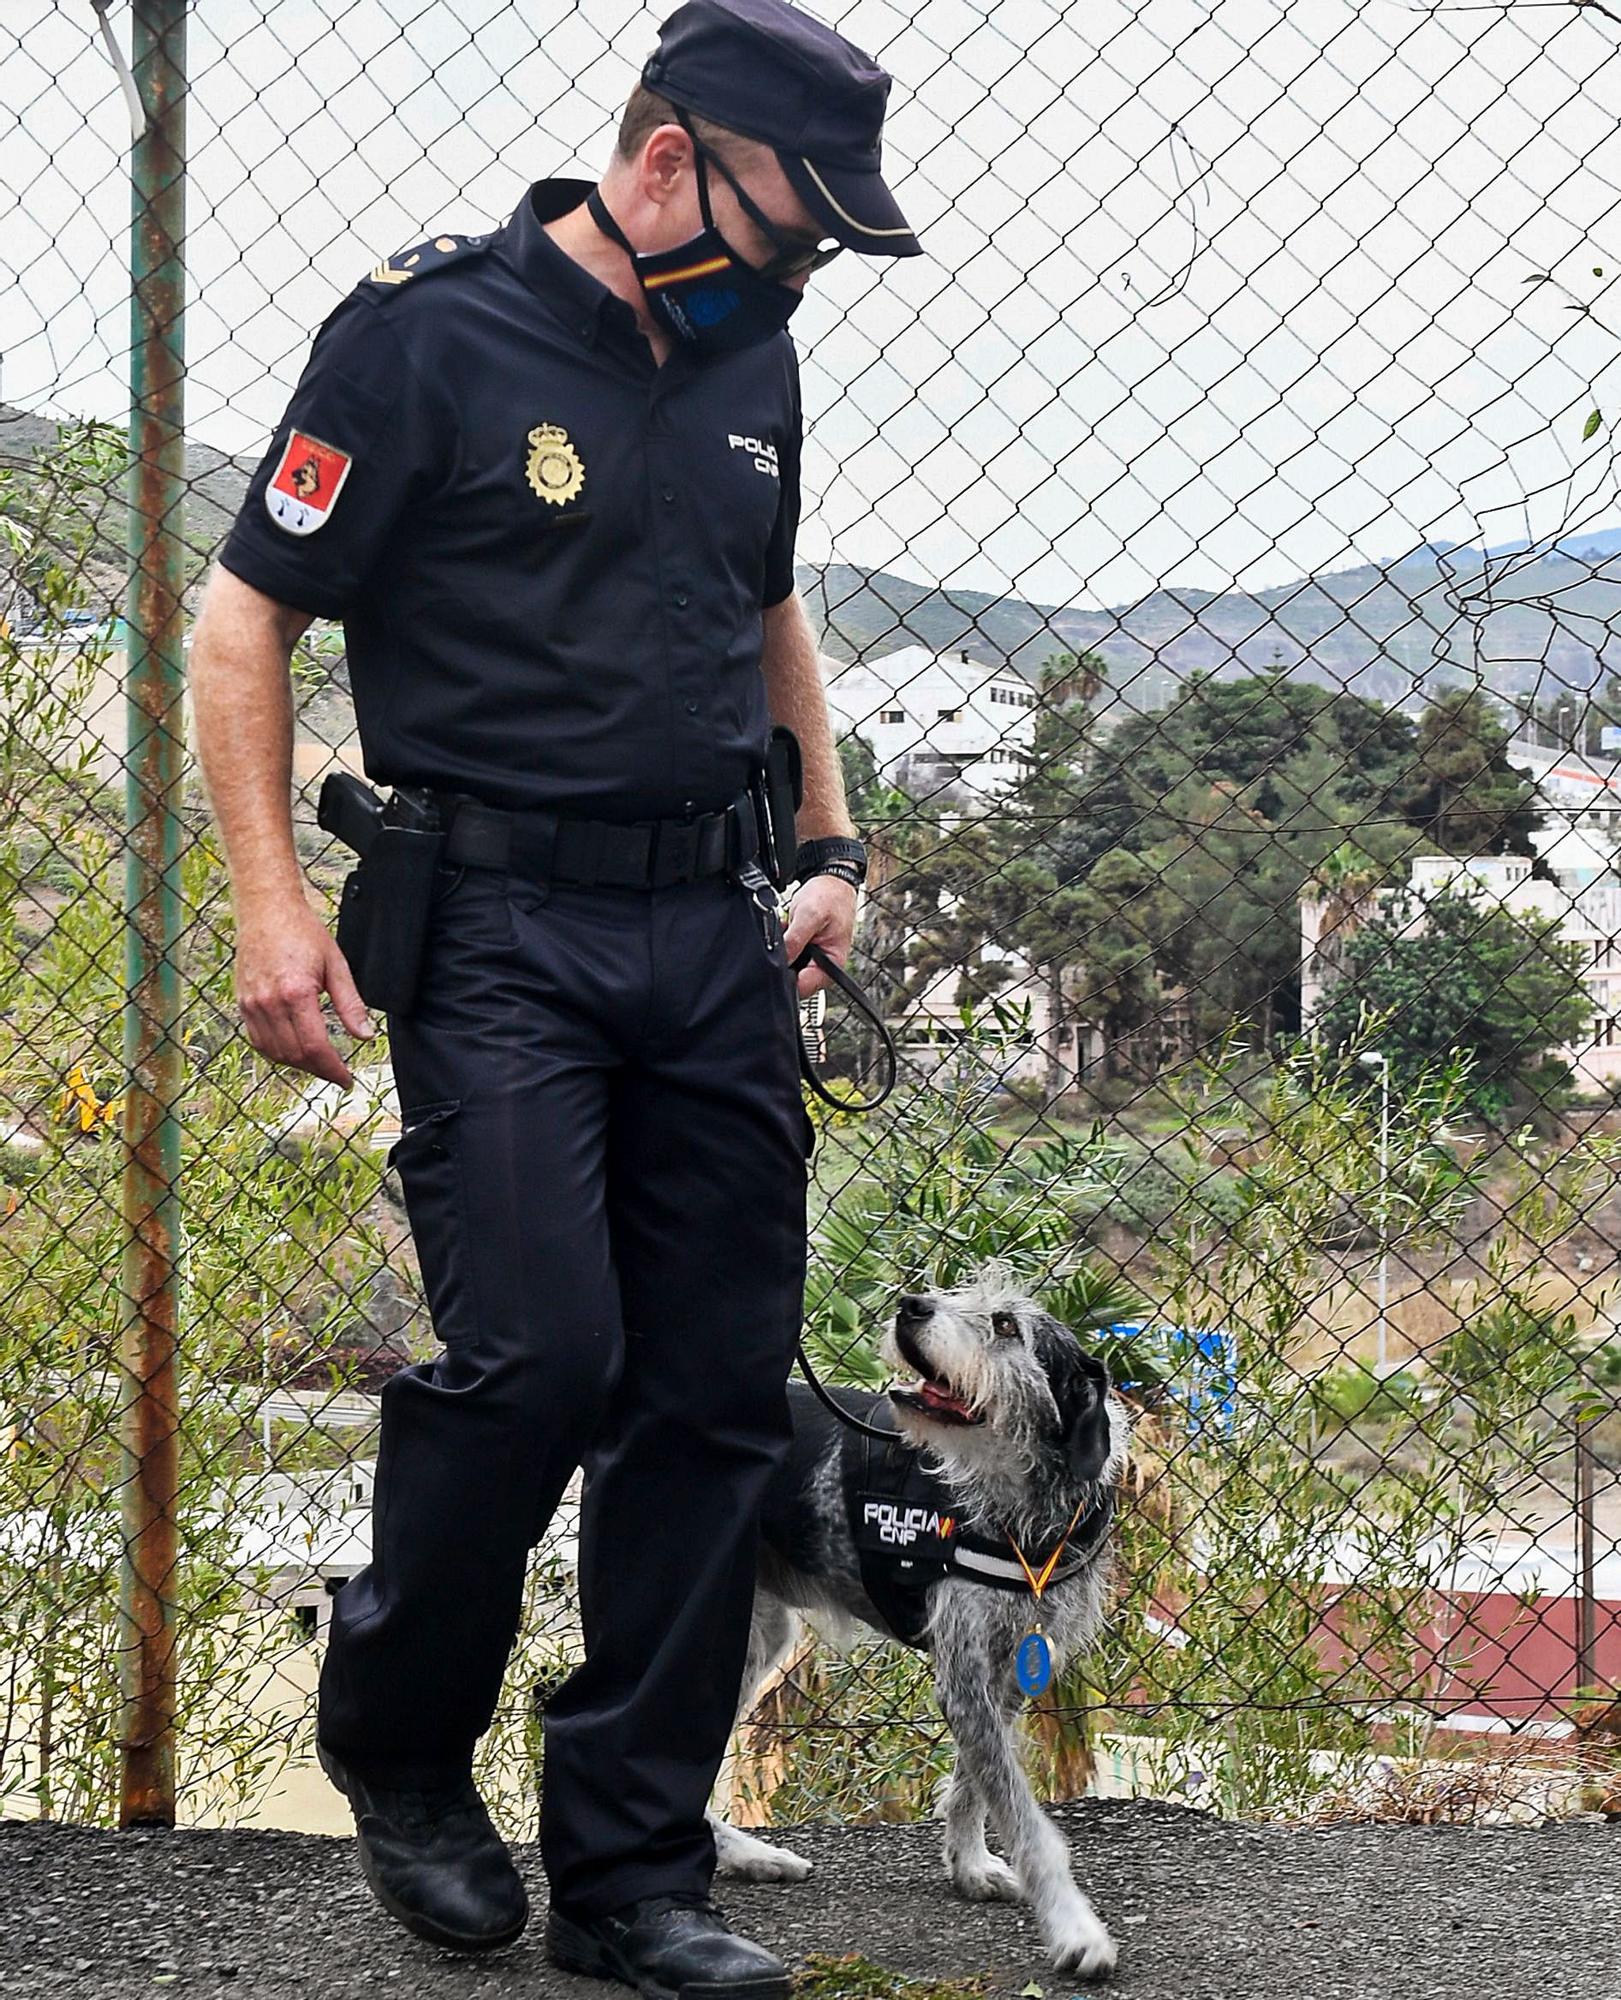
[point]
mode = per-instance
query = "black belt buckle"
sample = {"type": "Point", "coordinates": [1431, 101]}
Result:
{"type": "Point", "coordinates": [675, 851]}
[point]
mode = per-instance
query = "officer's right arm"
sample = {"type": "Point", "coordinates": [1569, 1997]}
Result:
{"type": "Point", "coordinates": [360, 440]}
{"type": "Point", "coordinates": [286, 957]}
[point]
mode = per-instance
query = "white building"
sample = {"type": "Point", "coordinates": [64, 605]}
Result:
{"type": "Point", "coordinates": [935, 720]}
{"type": "Point", "coordinates": [1587, 910]}
{"type": "Point", "coordinates": [1580, 799]}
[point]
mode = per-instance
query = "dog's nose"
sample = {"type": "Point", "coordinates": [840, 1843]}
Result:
{"type": "Point", "coordinates": [914, 1306]}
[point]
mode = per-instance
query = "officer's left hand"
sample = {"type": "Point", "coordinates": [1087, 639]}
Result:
{"type": "Point", "coordinates": [823, 912]}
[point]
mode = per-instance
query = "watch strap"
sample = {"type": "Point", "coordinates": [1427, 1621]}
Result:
{"type": "Point", "coordinates": [814, 855]}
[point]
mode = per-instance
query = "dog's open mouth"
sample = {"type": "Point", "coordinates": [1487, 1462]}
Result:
{"type": "Point", "coordinates": [931, 1393]}
{"type": "Point", "coordinates": [934, 1399]}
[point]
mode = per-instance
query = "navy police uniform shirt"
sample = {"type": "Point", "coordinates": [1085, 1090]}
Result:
{"type": "Point", "coordinates": [549, 553]}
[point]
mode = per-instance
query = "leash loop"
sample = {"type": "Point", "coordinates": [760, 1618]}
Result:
{"type": "Point", "coordinates": [807, 1068]}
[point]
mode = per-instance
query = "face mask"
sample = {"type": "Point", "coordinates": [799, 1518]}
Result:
{"type": "Point", "coordinates": [701, 292]}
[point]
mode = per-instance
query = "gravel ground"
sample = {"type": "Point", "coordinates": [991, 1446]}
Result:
{"type": "Point", "coordinates": [1204, 1910]}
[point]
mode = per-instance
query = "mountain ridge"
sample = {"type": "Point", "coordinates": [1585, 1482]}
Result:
{"type": "Point", "coordinates": [1521, 615]}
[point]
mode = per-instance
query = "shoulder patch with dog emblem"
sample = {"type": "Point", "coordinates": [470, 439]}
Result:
{"type": "Point", "coordinates": [305, 486]}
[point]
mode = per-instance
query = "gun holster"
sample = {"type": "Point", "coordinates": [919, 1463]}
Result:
{"type": "Point", "coordinates": [386, 901]}
{"type": "Point", "coordinates": [776, 789]}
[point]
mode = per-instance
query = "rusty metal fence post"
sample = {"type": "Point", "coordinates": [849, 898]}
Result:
{"type": "Point", "coordinates": [1586, 1582]}
{"type": "Point", "coordinates": [149, 1412]}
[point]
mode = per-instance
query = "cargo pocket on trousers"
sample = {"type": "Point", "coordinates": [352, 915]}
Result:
{"type": "Point", "coordinates": [427, 1158]}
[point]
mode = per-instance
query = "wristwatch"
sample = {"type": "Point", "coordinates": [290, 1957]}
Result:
{"type": "Point", "coordinates": [833, 854]}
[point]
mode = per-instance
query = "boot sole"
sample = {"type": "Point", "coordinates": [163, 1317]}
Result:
{"type": "Point", "coordinates": [577, 1950]}
{"type": "Point", "coordinates": [413, 1920]}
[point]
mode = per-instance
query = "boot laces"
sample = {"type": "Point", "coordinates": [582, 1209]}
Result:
{"type": "Point", "coordinates": [420, 1809]}
{"type": "Point", "coordinates": [693, 1899]}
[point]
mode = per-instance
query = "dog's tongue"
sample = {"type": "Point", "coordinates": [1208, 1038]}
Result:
{"type": "Point", "coordinates": [942, 1399]}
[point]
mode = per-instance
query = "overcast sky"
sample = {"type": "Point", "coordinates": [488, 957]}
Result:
{"type": "Point", "coordinates": [1217, 293]}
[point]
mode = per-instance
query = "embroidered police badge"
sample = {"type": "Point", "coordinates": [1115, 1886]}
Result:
{"type": "Point", "coordinates": [306, 484]}
{"type": "Point", "coordinates": [554, 469]}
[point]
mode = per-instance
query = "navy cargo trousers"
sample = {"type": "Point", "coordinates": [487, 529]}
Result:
{"type": "Point", "coordinates": [603, 1157]}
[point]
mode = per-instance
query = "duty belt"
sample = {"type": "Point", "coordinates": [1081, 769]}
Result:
{"type": "Point", "coordinates": [646, 854]}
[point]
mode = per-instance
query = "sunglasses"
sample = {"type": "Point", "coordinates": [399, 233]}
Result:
{"type": "Point", "coordinates": [793, 254]}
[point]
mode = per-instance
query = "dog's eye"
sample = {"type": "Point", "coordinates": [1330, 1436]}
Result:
{"type": "Point", "coordinates": [1005, 1324]}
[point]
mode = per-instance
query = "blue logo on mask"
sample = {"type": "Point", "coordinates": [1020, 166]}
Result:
{"type": "Point", "coordinates": [708, 308]}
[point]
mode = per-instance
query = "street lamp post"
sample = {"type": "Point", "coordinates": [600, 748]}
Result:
{"type": "Point", "coordinates": [1370, 1057]}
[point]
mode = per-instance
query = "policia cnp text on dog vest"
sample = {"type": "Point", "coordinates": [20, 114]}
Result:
{"type": "Point", "coordinates": [908, 1532]}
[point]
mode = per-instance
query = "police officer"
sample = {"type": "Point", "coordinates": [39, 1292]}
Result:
{"type": "Point", "coordinates": [548, 477]}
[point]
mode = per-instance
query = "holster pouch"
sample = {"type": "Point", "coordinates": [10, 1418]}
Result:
{"type": "Point", "coordinates": [777, 791]}
{"type": "Point", "coordinates": [386, 901]}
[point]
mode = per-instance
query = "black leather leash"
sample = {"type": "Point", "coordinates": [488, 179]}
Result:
{"type": "Point", "coordinates": [840, 977]}
{"type": "Point", "coordinates": [844, 1416]}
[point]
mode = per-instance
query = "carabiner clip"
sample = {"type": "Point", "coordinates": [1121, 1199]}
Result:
{"type": "Point", "coordinates": [765, 899]}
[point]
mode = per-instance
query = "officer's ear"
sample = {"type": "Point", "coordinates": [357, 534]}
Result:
{"type": "Point", "coordinates": [666, 160]}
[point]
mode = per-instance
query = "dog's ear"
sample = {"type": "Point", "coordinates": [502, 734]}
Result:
{"type": "Point", "coordinates": [1080, 1384]}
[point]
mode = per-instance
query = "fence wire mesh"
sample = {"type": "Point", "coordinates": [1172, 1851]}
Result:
{"type": "Point", "coordinates": [1215, 552]}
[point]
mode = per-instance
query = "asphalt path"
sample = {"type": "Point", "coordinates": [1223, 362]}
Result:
{"type": "Point", "coordinates": [1203, 1909]}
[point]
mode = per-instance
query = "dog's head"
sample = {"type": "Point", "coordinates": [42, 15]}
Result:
{"type": "Point", "coordinates": [999, 1385]}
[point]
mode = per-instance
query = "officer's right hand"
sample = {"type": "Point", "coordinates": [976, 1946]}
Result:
{"type": "Point", "coordinates": [286, 958]}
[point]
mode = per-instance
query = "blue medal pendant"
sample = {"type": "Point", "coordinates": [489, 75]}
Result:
{"type": "Point", "coordinates": [1033, 1663]}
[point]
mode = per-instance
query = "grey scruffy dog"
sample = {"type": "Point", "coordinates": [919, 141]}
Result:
{"type": "Point", "coordinates": [1016, 1424]}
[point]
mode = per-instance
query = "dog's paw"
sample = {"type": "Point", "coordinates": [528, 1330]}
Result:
{"type": "Point", "coordinates": [749, 1860]}
{"type": "Point", "coordinates": [986, 1880]}
{"type": "Point", "coordinates": [1078, 1943]}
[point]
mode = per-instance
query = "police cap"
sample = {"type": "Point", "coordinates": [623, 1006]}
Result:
{"type": "Point", "coordinates": [773, 72]}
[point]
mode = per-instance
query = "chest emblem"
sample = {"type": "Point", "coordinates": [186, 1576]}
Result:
{"type": "Point", "coordinates": [760, 450]}
{"type": "Point", "coordinates": [554, 469]}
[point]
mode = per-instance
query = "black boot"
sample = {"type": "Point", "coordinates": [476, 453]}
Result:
{"type": "Point", "coordinates": [667, 1946]}
{"type": "Point", "coordinates": [433, 1859]}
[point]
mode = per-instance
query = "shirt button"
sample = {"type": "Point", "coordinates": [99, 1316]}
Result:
{"type": "Point", "coordinates": [681, 600]}
{"type": "Point", "coordinates": [692, 709]}
{"type": "Point", "coordinates": [669, 495]}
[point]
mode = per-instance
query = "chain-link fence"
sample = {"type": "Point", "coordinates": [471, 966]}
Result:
{"type": "Point", "coordinates": [1215, 549]}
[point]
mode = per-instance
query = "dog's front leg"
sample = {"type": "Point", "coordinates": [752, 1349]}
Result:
{"type": "Point", "coordinates": [974, 1870]}
{"type": "Point", "coordinates": [980, 1702]}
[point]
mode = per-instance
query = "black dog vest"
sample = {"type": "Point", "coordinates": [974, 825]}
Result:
{"type": "Point", "coordinates": [908, 1534]}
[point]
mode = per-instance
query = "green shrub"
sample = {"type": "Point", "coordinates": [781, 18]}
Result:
{"type": "Point", "coordinates": [1353, 1391]}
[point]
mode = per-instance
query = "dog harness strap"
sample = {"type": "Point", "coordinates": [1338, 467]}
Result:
{"type": "Point", "coordinates": [907, 1536]}
{"type": "Point", "coordinates": [986, 1560]}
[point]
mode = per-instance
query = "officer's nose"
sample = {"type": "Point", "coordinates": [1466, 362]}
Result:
{"type": "Point", "coordinates": [915, 1306]}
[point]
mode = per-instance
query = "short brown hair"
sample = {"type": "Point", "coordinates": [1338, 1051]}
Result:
{"type": "Point", "coordinates": [645, 111]}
